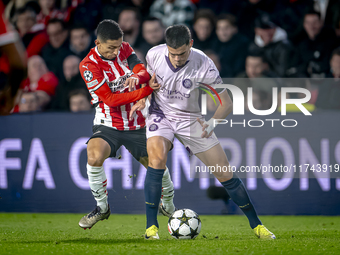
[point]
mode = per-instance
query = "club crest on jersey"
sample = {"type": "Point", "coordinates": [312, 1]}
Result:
{"type": "Point", "coordinates": [125, 62]}
{"type": "Point", "coordinates": [153, 127]}
{"type": "Point", "coordinates": [88, 75]}
{"type": "Point", "coordinates": [187, 83]}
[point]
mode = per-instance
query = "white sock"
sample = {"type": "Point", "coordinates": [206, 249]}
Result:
{"type": "Point", "coordinates": [168, 192]}
{"type": "Point", "coordinates": [98, 183]}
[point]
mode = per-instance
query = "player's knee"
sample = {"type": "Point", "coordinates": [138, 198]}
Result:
{"type": "Point", "coordinates": [157, 163]}
{"type": "Point", "coordinates": [94, 158]}
{"type": "Point", "coordinates": [224, 176]}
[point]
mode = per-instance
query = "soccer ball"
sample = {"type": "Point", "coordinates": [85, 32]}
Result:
{"type": "Point", "coordinates": [184, 224]}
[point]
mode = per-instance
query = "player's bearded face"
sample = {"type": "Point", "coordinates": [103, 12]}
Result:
{"type": "Point", "coordinates": [178, 57]}
{"type": "Point", "coordinates": [110, 48]}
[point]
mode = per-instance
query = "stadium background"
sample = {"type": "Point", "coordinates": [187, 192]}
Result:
{"type": "Point", "coordinates": [42, 146]}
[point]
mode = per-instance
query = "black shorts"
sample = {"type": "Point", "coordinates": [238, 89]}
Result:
{"type": "Point", "coordinates": [133, 140]}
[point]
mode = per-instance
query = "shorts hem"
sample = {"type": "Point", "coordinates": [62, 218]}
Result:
{"type": "Point", "coordinates": [172, 142]}
{"type": "Point", "coordinates": [207, 148]}
{"type": "Point", "coordinates": [112, 146]}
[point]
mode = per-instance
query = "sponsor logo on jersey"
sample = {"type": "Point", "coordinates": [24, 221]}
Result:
{"type": "Point", "coordinates": [118, 84]}
{"type": "Point", "coordinates": [92, 83]}
{"type": "Point", "coordinates": [85, 67]}
{"type": "Point", "coordinates": [153, 127]}
{"type": "Point", "coordinates": [175, 92]}
{"type": "Point", "coordinates": [88, 75]}
{"type": "Point", "coordinates": [187, 83]}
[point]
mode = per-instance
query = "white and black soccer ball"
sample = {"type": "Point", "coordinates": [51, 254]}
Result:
{"type": "Point", "coordinates": [184, 224]}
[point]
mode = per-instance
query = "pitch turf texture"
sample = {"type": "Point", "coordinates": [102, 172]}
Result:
{"type": "Point", "coordinates": [123, 234]}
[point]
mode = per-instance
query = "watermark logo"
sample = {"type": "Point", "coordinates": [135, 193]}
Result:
{"type": "Point", "coordinates": [239, 104]}
{"type": "Point", "coordinates": [203, 86]}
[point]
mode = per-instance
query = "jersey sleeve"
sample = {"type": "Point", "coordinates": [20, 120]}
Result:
{"type": "Point", "coordinates": [93, 77]}
{"type": "Point", "coordinates": [127, 49]}
{"type": "Point", "coordinates": [96, 83]}
{"type": "Point", "coordinates": [149, 63]}
{"type": "Point", "coordinates": [133, 60]}
{"type": "Point", "coordinates": [114, 99]}
{"type": "Point", "coordinates": [211, 75]}
{"type": "Point", "coordinates": [141, 73]}
{"type": "Point", "coordinates": [135, 65]}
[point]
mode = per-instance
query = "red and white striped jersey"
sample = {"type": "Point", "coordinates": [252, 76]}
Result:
{"type": "Point", "coordinates": [105, 81]}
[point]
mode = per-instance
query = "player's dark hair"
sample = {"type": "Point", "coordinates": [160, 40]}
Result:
{"type": "Point", "coordinates": [109, 29]}
{"type": "Point", "coordinates": [177, 35]}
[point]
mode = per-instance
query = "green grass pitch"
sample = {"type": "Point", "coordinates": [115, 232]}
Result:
{"type": "Point", "coordinates": [123, 234]}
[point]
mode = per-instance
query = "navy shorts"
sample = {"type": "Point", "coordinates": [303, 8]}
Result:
{"type": "Point", "coordinates": [133, 140]}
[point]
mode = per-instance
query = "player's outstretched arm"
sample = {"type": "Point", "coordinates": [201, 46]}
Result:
{"type": "Point", "coordinates": [222, 112]}
{"type": "Point", "coordinates": [225, 108]}
{"type": "Point", "coordinates": [111, 99]}
{"type": "Point", "coordinates": [96, 83]}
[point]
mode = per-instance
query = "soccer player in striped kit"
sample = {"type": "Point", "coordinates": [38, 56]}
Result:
{"type": "Point", "coordinates": [114, 77]}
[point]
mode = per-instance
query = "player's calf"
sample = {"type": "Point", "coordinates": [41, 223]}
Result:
{"type": "Point", "coordinates": [98, 184]}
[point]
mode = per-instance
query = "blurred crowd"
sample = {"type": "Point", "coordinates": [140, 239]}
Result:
{"type": "Point", "coordinates": [246, 39]}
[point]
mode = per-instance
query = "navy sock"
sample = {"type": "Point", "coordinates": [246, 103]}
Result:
{"type": "Point", "coordinates": [239, 195]}
{"type": "Point", "coordinates": [152, 192]}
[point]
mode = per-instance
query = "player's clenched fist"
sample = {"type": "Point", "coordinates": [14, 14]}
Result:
{"type": "Point", "coordinates": [153, 82]}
